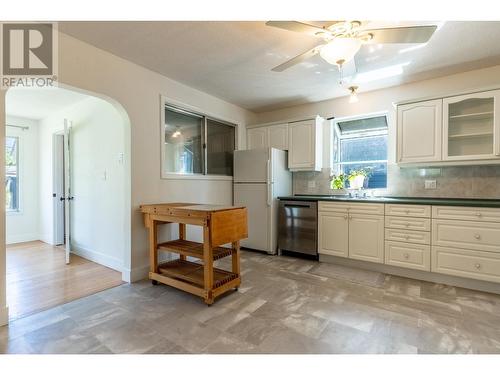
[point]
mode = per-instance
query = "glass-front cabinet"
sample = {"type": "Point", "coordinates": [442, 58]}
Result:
{"type": "Point", "coordinates": [471, 126]}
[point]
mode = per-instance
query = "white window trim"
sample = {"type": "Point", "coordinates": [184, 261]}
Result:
{"type": "Point", "coordinates": [336, 164]}
{"type": "Point", "coordinates": [164, 100]}
{"type": "Point", "coordinates": [18, 133]}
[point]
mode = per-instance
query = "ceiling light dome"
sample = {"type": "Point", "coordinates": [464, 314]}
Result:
{"type": "Point", "coordinates": [340, 50]}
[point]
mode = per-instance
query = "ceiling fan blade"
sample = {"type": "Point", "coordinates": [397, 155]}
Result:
{"type": "Point", "coordinates": [298, 27]}
{"type": "Point", "coordinates": [412, 34]}
{"type": "Point", "coordinates": [297, 59]}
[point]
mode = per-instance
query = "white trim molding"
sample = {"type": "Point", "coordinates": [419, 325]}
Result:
{"type": "Point", "coordinates": [94, 256]}
{"type": "Point", "coordinates": [135, 274]}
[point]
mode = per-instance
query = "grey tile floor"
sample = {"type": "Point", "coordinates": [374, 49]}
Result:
{"type": "Point", "coordinates": [285, 305]}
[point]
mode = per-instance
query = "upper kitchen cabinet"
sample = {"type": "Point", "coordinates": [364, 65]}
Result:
{"type": "Point", "coordinates": [275, 136]}
{"type": "Point", "coordinates": [305, 145]}
{"type": "Point", "coordinates": [419, 132]}
{"type": "Point", "coordinates": [257, 138]}
{"type": "Point", "coordinates": [471, 126]}
{"type": "Point", "coordinates": [278, 136]}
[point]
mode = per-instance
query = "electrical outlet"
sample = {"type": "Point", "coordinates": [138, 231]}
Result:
{"type": "Point", "coordinates": [430, 184]}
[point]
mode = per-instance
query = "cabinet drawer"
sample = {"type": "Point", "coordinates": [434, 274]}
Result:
{"type": "Point", "coordinates": [466, 235]}
{"type": "Point", "coordinates": [353, 208]}
{"type": "Point", "coordinates": [401, 235]}
{"type": "Point", "coordinates": [466, 263]}
{"type": "Point", "coordinates": [413, 210]}
{"type": "Point", "coordinates": [466, 213]}
{"type": "Point", "coordinates": [412, 223]}
{"type": "Point", "coordinates": [408, 255]}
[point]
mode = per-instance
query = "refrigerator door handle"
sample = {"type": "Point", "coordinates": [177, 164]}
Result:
{"type": "Point", "coordinates": [269, 183]}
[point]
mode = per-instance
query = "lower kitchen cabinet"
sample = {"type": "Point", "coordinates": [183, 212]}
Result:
{"type": "Point", "coordinates": [366, 238]}
{"type": "Point", "coordinates": [408, 255]}
{"type": "Point", "coordinates": [480, 265]}
{"type": "Point", "coordinates": [355, 236]}
{"type": "Point", "coordinates": [333, 232]}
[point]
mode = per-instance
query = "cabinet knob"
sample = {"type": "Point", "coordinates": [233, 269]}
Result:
{"type": "Point", "coordinates": [407, 237]}
{"type": "Point", "coordinates": [406, 255]}
{"type": "Point", "coordinates": [479, 214]}
{"type": "Point", "coordinates": [477, 265]}
{"type": "Point", "coordinates": [350, 217]}
{"type": "Point", "coordinates": [477, 236]}
{"type": "Point", "coordinates": [345, 217]}
{"type": "Point", "coordinates": [407, 211]}
{"type": "Point", "coordinates": [407, 225]}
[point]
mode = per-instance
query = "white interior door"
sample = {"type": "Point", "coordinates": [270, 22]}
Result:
{"type": "Point", "coordinates": [67, 189]}
{"type": "Point", "coordinates": [58, 188]}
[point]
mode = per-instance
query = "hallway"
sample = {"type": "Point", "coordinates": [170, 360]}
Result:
{"type": "Point", "coordinates": [38, 278]}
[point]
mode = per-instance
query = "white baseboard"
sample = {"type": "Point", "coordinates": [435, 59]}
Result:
{"type": "Point", "coordinates": [135, 274]}
{"type": "Point", "coordinates": [4, 315]}
{"type": "Point", "coordinates": [18, 238]}
{"type": "Point", "coordinates": [94, 256]}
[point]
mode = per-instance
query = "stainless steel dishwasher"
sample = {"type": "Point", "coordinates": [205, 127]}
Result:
{"type": "Point", "coordinates": [298, 227]}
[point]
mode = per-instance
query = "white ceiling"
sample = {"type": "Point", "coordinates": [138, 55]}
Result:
{"type": "Point", "coordinates": [38, 103]}
{"type": "Point", "coordinates": [233, 60]}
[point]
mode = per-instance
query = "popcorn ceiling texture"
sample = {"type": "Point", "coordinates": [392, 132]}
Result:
{"type": "Point", "coordinates": [452, 182]}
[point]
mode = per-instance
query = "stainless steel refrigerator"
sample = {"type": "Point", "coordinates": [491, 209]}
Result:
{"type": "Point", "coordinates": [260, 176]}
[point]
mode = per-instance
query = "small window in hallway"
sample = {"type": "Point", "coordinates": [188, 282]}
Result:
{"type": "Point", "coordinates": [195, 144]}
{"type": "Point", "coordinates": [12, 173]}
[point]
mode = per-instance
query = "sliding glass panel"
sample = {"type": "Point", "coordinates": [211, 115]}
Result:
{"type": "Point", "coordinates": [12, 173]}
{"type": "Point", "coordinates": [183, 142]}
{"type": "Point", "coordinates": [220, 148]}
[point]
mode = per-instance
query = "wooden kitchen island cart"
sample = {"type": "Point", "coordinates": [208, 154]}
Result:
{"type": "Point", "coordinates": [221, 225]}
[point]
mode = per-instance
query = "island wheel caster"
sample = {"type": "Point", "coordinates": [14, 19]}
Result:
{"type": "Point", "coordinates": [154, 282]}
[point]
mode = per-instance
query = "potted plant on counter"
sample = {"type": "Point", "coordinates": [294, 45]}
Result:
{"type": "Point", "coordinates": [357, 178]}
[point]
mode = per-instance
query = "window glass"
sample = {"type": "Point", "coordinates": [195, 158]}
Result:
{"type": "Point", "coordinates": [220, 148]}
{"type": "Point", "coordinates": [12, 173]}
{"type": "Point", "coordinates": [363, 145]}
{"type": "Point", "coordinates": [183, 142]}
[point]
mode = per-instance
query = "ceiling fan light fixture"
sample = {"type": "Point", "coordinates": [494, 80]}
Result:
{"type": "Point", "coordinates": [353, 97]}
{"type": "Point", "coordinates": [340, 49]}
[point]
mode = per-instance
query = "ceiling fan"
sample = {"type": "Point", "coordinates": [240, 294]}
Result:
{"type": "Point", "coordinates": [341, 40]}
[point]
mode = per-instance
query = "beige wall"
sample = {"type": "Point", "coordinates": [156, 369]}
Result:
{"type": "Point", "coordinates": [138, 91]}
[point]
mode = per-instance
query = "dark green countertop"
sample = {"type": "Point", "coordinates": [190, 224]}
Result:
{"type": "Point", "coordinates": [401, 200]}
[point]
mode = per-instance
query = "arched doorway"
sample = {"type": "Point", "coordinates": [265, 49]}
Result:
{"type": "Point", "coordinates": [100, 181]}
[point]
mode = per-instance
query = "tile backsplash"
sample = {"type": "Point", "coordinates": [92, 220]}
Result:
{"type": "Point", "coordinates": [452, 182]}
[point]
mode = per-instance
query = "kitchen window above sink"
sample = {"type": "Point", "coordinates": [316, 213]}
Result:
{"type": "Point", "coordinates": [361, 144]}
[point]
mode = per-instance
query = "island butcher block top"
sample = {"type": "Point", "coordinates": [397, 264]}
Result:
{"type": "Point", "coordinates": [221, 225]}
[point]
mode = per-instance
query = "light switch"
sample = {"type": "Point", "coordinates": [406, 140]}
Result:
{"type": "Point", "coordinates": [430, 184]}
